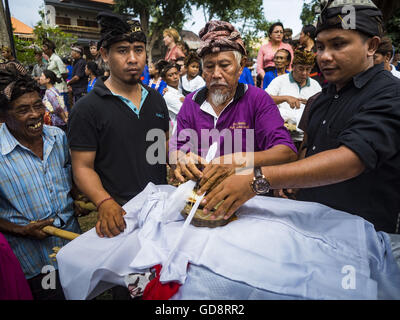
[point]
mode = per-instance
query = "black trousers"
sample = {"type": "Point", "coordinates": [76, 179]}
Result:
{"type": "Point", "coordinates": [39, 293]}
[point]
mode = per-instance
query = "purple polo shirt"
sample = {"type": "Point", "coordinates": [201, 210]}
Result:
{"type": "Point", "coordinates": [250, 123]}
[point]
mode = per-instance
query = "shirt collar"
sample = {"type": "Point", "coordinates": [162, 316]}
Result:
{"type": "Point", "coordinates": [200, 96]}
{"type": "Point", "coordinates": [8, 142]}
{"type": "Point", "coordinates": [308, 82]}
{"type": "Point", "coordinates": [361, 79]}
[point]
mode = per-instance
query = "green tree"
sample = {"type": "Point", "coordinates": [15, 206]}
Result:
{"type": "Point", "coordinates": [308, 15]}
{"type": "Point", "coordinates": [246, 15]}
{"type": "Point", "coordinates": [155, 16]}
{"type": "Point", "coordinates": [62, 40]}
{"type": "Point", "coordinates": [393, 29]}
{"type": "Point", "coordinates": [24, 50]}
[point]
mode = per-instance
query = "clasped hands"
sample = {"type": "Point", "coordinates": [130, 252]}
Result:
{"type": "Point", "coordinates": [224, 178]}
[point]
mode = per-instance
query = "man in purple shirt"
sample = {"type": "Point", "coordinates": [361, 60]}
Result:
{"type": "Point", "coordinates": [242, 119]}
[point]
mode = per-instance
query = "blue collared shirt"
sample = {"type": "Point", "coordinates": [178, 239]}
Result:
{"type": "Point", "coordinates": [33, 189]}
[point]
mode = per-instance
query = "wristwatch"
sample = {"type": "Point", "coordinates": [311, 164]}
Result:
{"type": "Point", "coordinates": [260, 184]}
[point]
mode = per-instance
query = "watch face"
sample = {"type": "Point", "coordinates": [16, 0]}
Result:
{"type": "Point", "coordinates": [261, 186]}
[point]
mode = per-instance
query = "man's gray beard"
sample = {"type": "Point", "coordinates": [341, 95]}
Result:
{"type": "Point", "coordinates": [217, 97]}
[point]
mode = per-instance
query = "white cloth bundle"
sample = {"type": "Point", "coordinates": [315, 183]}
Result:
{"type": "Point", "coordinates": [281, 248]}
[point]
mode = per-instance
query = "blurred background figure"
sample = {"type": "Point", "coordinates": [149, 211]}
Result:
{"type": "Point", "coordinates": [96, 57]}
{"type": "Point", "coordinates": [282, 60]}
{"type": "Point", "coordinates": [173, 95]}
{"type": "Point", "coordinates": [265, 58]}
{"type": "Point", "coordinates": [7, 55]}
{"type": "Point", "coordinates": [396, 61]}
{"type": "Point", "coordinates": [183, 46]}
{"type": "Point", "coordinates": [53, 100]}
{"type": "Point", "coordinates": [307, 42]}
{"type": "Point", "coordinates": [92, 72]}
{"type": "Point", "coordinates": [78, 83]}
{"type": "Point", "coordinates": [156, 81]}
{"type": "Point", "coordinates": [38, 68]}
{"type": "Point", "coordinates": [192, 80]}
{"type": "Point", "coordinates": [246, 77]}
{"type": "Point", "coordinates": [171, 38]}
{"type": "Point", "coordinates": [287, 35]}
{"type": "Point", "coordinates": [181, 64]}
{"type": "Point", "coordinates": [384, 55]}
{"type": "Point", "coordinates": [68, 64]}
{"type": "Point", "coordinates": [58, 67]}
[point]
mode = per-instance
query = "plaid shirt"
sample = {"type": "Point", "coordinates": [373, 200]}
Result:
{"type": "Point", "coordinates": [33, 189]}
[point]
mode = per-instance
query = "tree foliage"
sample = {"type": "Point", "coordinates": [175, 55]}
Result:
{"type": "Point", "coordinates": [247, 16]}
{"type": "Point", "coordinates": [156, 15]}
{"type": "Point", "coordinates": [308, 15]}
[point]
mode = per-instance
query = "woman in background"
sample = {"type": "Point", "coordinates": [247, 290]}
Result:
{"type": "Point", "coordinates": [171, 38]}
{"type": "Point", "coordinates": [53, 101]}
{"type": "Point", "coordinates": [266, 54]}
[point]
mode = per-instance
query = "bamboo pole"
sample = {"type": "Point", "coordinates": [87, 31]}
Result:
{"type": "Point", "coordinates": [60, 233]}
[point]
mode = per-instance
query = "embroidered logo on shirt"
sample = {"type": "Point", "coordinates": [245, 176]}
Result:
{"type": "Point", "coordinates": [160, 115]}
{"type": "Point", "coordinates": [239, 125]}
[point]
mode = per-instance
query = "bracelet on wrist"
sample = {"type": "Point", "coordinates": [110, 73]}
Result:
{"type": "Point", "coordinates": [102, 201]}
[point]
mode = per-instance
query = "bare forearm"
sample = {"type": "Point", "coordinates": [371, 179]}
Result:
{"type": "Point", "coordinates": [276, 155]}
{"type": "Point", "coordinates": [73, 80]}
{"type": "Point", "coordinates": [328, 167]}
{"type": "Point", "coordinates": [279, 99]}
{"type": "Point", "coordinates": [10, 228]}
{"type": "Point", "coordinates": [88, 182]}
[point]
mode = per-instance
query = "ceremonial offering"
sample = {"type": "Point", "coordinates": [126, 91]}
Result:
{"type": "Point", "coordinates": [290, 125]}
{"type": "Point", "coordinates": [201, 219]}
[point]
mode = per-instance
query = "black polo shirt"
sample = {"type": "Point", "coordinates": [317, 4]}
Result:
{"type": "Point", "coordinates": [103, 123]}
{"type": "Point", "coordinates": [78, 69]}
{"type": "Point", "coordinates": [365, 117]}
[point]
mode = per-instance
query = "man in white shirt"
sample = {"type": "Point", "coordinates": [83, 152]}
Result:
{"type": "Point", "coordinates": [173, 95]}
{"type": "Point", "coordinates": [291, 91]}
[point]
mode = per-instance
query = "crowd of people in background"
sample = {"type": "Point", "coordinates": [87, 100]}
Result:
{"type": "Point", "coordinates": [84, 92]}
{"type": "Point", "coordinates": [76, 74]}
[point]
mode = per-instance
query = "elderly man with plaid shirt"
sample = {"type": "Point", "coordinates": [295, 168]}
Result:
{"type": "Point", "coordinates": [35, 181]}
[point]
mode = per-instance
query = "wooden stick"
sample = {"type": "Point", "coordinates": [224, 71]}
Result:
{"type": "Point", "coordinates": [60, 233]}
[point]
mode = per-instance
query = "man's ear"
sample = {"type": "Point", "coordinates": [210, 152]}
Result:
{"type": "Point", "coordinates": [373, 44]}
{"type": "Point", "coordinates": [104, 53]}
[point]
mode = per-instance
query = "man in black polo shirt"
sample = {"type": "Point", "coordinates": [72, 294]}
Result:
{"type": "Point", "coordinates": [108, 127]}
{"type": "Point", "coordinates": [352, 153]}
{"type": "Point", "coordinates": [78, 82]}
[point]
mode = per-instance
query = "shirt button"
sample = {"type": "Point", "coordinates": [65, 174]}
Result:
{"type": "Point", "coordinates": [323, 122]}
{"type": "Point", "coordinates": [336, 96]}
{"type": "Point", "coordinates": [314, 147]}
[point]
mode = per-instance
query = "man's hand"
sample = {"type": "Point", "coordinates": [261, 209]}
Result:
{"type": "Point", "coordinates": [286, 193]}
{"type": "Point", "coordinates": [234, 190]}
{"type": "Point", "coordinates": [219, 169]}
{"type": "Point", "coordinates": [295, 102]}
{"type": "Point", "coordinates": [110, 222]}
{"type": "Point", "coordinates": [188, 165]}
{"type": "Point", "coordinates": [34, 230]}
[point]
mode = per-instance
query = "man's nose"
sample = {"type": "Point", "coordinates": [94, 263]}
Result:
{"type": "Point", "coordinates": [131, 56]}
{"type": "Point", "coordinates": [324, 55]}
{"type": "Point", "coordinates": [217, 72]}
